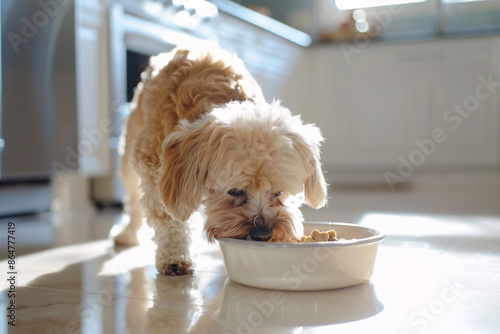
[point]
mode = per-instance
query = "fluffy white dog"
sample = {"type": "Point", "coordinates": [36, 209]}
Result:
{"type": "Point", "coordinates": [201, 132]}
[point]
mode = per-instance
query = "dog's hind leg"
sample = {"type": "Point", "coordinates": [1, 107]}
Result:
{"type": "Point", "coordinates": [127, 235]}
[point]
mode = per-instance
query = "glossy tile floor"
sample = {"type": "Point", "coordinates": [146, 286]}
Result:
{"type": "Point", "coordinates": [438, 271]}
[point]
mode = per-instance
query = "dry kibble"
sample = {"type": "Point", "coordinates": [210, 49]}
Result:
{"type": "Point", "coordinates": [317, 236]}
{"type": "Point", "coordinates": [309, 239]}
{"type": "Point", "coordinates": [322, 236]}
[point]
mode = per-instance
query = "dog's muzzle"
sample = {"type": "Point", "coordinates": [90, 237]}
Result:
{"type": "Point", "coordinates": [260, 231]}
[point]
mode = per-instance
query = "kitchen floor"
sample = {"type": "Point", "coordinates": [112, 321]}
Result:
{"type": "Point", "coordinates": [437, 271]}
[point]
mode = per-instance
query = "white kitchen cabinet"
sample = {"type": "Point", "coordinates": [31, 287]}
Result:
{"type": "Point", "coordinates": [389, 102]}
{"type": "Point", "coordinates": [470, 122]}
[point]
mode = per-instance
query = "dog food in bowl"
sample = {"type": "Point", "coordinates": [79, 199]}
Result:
{"type": "Point", "coordinates": [302, 266]}
{"type": "Point", "coordinates": [317, 236]}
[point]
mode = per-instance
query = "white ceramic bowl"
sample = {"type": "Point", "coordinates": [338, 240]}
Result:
{"type": "Point", "coordinates": [304, 266]}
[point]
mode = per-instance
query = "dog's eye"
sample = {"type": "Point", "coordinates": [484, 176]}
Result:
{"type": "Point", "coordinates": [236, 192]}
{"type": "Point", "coordinates": [278, 194]}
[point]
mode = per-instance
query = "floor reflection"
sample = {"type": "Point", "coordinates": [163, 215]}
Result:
{"type": "Point", "coordinates": [250, 310]}
{"type": "Point", "coordinates": [96, 288]}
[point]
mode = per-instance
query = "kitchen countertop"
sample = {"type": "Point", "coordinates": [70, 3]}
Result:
{"type": "Point", "coordinates": [434, 274]}
{"type": "Point", "coordinates": [273, 26]}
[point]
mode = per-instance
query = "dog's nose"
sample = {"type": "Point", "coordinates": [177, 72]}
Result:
{"type": "Point", "coordinates": [261, 233]}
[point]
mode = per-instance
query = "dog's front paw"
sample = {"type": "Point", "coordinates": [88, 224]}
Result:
{"type": "Point", "coordinates": [174, 268]}
{"type": "Point", "coordinates": [183, 268]}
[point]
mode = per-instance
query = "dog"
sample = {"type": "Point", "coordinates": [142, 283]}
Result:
{"type": "Point", "coordinates": [201, 133]}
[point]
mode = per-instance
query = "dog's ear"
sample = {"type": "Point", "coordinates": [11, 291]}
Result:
{"type": "Point", "coordinates": [307, 144]}
{"type": "Point", "coordinates": [184, 167]}
{"type": "Point", "coordinates": [315, 187]}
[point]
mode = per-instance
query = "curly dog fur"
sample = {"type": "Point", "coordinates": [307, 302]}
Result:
{"type": "Point", "coordinates": [200, 132]}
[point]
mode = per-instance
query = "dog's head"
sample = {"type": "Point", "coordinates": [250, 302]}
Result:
{"type": "Point", "coordinates": [251, 164]}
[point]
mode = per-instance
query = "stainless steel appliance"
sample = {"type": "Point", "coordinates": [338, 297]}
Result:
{"type": "Point", "coordinates": [38, 114]}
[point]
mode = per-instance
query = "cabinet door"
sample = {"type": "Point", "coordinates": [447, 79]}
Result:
{"type": "Point", "coordinates": [464, 106]}
{"type": "Point", "coordinates": [373, 114]}
{"type": "Point", "coordinates": [381, 118]}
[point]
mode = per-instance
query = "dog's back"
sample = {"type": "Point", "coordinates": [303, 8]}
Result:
{"type": "Point", "coordinates": [183, 83]}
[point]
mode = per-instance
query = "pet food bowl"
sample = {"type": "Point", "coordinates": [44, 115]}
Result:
{"type": "Point", "coordinates": [304, 266]}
